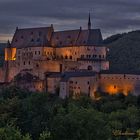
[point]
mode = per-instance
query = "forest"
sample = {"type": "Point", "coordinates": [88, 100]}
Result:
{"type": "Point", "coordinates": [26, 115]}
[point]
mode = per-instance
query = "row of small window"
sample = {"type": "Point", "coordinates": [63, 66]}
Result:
{"type": "Point", "coordinates": [49, 53]}
{"type": "Point", "coordinates": [39, 34]}
{"type": "Point", "coordinates": [71, 42]}
{"type": "Point", "coordinates": [32, 40]}
{"type": "Point", "coordinates": [71, 82]}
{"type": "Point", "coordinates": [28, 54]}
{"type": "Point", "coordinates": [31, 54]}
{"type": "Point", "coordinates": [25, 63]}
{"type": "Point", "coordinates": [64, 57]}
{"type": "Point", "coordinates": [121, 78]}
{"type": "Point", "coordinates": [92, 56]}
{"type": "Point", "coordinates": [67, 37]}
{"type": "Point", "coordinates": [27, 49]}
{"type": "Point", "coordinates": [71, 87]}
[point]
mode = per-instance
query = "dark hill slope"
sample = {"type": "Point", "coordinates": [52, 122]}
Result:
{"type": "Point", "coordinates": [124, 54]}
{"type": "Point", "coordinates": [2, 46]}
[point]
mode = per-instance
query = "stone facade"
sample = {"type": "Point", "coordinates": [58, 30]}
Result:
{"type": "Point", "coordinates": [67, 62]}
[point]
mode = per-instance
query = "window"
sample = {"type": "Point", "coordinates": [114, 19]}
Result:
{"type": "Point", "coordinates": [66, 57]}
{"type": "Point", "coordinates": [37, 65]}
{"type": "Point", "coordinates": [71, 82]}
{"type": "Point", "coordinates": [40, 33]}
{"type": "Point", "coordinates": [99, 56]}
{"type": "Point", "coordinates": [89, 68]}
{"type": "Point", "coordinates": [60, 42]}
{"type": "Point", "coordinates": [35, 52]}
{"type": "Point", "coordinates": [24, 63]}
{"type": "Point", "coordinates": [29, 62]}
{"type": "Point", "coordinates": [39, 52]}
{"type": "Point", "coordinates": [70, 57]}
{"type": "Point", "coordinates": [88, 82]}
{"type": "Point", "coordinates": [38, 40]}
{"type": "Point", "coordinates": [32, 40]}
{"type": "Point", "coordinates": [62, 56]}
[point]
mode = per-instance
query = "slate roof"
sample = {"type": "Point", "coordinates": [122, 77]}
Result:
{"type": "Point", "coordinates": [31, 37]}
{"type": "Point", "coordinates": [45, 36]}
{"type": "Point", "coordinates": [91, 59]}
{"type": "Point", "coordinates": [120, 72]}
{"type": "Point", "coordinates": [77, 38]}
{"type": "Point", "coordinates": [67, 75]}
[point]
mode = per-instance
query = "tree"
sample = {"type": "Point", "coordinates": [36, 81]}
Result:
{"type": "Point", "coordinates": [10, 133]}
{"type": "Point", "coordinates": [80, 124]}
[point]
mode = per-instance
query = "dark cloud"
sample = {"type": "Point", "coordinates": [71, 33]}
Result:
{"type": "Point", "coordinates": [112, 16]}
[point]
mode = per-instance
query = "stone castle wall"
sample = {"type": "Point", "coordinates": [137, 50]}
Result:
{"type": "Point", "coordinates": [120, 83]}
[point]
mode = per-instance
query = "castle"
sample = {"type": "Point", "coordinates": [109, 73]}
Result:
{"type": "Point", "coordinates": [69, 63]}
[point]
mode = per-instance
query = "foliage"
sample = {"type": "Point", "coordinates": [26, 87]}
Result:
{"type": "Point", "coordinates": [2, 46]}
{"type": "Point", "coordinates": [46, 117]}
{"type": "Point", "coordinates": [10, 133]}
{"type": "Point", "coordinates": [124, 52]}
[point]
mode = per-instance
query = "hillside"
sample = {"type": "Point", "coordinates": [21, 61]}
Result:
{"type": "Point", "coordinates": [2, 46]}
{"type": "Point", "coordinates": [124, 54]}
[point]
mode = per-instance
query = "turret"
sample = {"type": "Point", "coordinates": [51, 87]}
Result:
{"type": "Point", "coordinates": [89, 22]}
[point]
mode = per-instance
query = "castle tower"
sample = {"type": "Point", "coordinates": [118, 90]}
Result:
{"type": "Point", "coordinates": [89, 22]}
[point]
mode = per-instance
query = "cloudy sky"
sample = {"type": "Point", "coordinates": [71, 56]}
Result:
{"type": "Point", "coordinates": [112, 16]}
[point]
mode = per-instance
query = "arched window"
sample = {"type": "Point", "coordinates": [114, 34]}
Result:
{"type": "Point", "coordinates": [70, 57]}
{"type": "Point", "coordinates": [89, 68]}
{"type": "Point", "coordinates": [62, 56]}
{"type": "Point", "coordinates": [66, 57]}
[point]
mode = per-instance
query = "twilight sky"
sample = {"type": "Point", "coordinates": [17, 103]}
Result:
{"type": "Point", "coordinates": [111, 16]}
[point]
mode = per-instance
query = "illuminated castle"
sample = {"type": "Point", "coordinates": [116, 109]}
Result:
{"type": "Point", "coordinates": [68, 62]}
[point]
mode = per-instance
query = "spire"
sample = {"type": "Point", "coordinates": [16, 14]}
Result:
{"type": "Point", "coordinates": [89, 22]}
{"type": "Point", "coordinates": [8, 44]}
